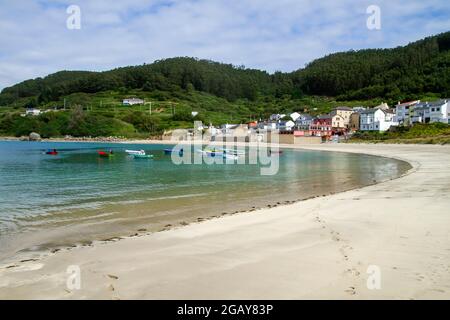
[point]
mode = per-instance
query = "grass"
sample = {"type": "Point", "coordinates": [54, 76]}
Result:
{"type": "Point", "coordinates": [433, 133]}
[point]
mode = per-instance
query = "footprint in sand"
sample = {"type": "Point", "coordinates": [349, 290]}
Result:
{"type": "Point", "coordinates": [353, 272]}
{"type": "Point", "coordinates": [438, 290]}
{"type": "Point", "coordinates": [351, 291]}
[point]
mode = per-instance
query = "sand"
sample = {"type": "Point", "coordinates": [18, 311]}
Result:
{"type": "Point", "coordinates": [320, 248]}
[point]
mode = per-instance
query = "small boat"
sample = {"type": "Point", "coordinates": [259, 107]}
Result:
{"type": "Point", "coordinates": [275, 152]}
{"type": "Point", "coordinates": [143, 156]}
{"type": "Point", "coordinates": [213, 153]}
{"type": "Point", "coordinates": [52, 152]}
{"type": "Point", "coordinates": [170, 151]}
{"type": "Point", "coordinates": [133, 152]}
{"type": "Point", "coordinates": [104, 154]}
{"type": "Point", "coordinates": [232, 151]}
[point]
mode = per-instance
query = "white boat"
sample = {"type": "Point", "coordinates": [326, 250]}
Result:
{"type": "Point", "coordinates": [133, 152]}
{"type": "Point", "coordinates": [232, 152]}
{"type": "Point", "coordinates": [217, 153]}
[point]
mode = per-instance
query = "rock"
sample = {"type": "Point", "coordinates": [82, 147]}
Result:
{"type": "Point", "coordinates": [34, 136]}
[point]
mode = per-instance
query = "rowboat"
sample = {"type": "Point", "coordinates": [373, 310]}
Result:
{"type": "Point", "coordinates": [232, 151]}
{"type": "Point", "coordinates": [213, 153]}
{"type": "Point", "coordinates": [52, 152]}
{"type": "Point", "coordinates": [275, 151]}
{"type": "Point", "coordinates": [133, 152]}
{"type": "Point", "coordinates": [143, 156]}
{"type": "Point", "coordinates": [104, 154]}
{"type": "Point", "coordinates": [170, 151]}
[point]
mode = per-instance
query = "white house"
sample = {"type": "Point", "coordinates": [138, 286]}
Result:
{"type": "Point", "coordinates": [421, 113]}
{"type": "Point", "coordinates": [267, 125]}
{"type": "Point", "coordinates": [32, 112]}
{"type": "Point", "coordinates": [304, 121]}
{"type": "Point", "coordinates": [404, 112]}
{"type": "Point", "coordinates": [440, 111]}
{"type": "Point", "coordinates": [286, 125]}
{"type": "Point", "coordinates": [429, 112]}
{"type": "Point", "coordinates": [376, 120]}
{"type": "Point", "coordinates": [132, 101]}
{"type": "Point", "coordinates": [276, 117]}
{"type": "Point", "coordinates": [295, 116]}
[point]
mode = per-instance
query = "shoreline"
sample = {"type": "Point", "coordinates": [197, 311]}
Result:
{"type": "Point", "coordinates": [28, 266]}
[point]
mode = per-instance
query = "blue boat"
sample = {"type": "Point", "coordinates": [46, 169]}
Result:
{"type": "Point", "coordinates": [170, 151]}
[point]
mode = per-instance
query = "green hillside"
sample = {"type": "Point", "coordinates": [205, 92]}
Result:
{"type": "Point", "coordinates": [409, 72]}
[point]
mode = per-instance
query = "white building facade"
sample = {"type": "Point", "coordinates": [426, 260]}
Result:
{"type": "Point", "coordinates": [438, 111]}
{"type": "Point", "coordinates": [132, 101]}
{"type": "Point", "coordinates": [404, 112]}
{"type": "Point", "coordinates": [376, 120]}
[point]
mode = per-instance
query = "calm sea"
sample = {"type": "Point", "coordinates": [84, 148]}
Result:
{"type": "Point", "coordinates": [48, 201]}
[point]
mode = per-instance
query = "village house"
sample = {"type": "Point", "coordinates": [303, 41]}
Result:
{"type": "Point", "coordinates": [286, 125]}
{"type": "Point", "coordinates": [338, 122]}
{"type": "Point", "coordinates": [377, 120]}
{"type": "Point", "coordinates": [322, 127]}
{"type": "Point", "coordinates": [358, 109]}
{"type": "Point", "coordinates": [405, 111]}
{"type": "Point", "coordinates": [294, 116]}
{"type": "Point", "coordinates": [32, 112]}
{"type": "Point", "coordinates": [354, 121]}
{"type": "Point", "coordinates": [440, 111]}
{"type": "Point", "coordinates": [421, 113]}
{"type": "Point", "coordinates": [430, 112]}
{"type": "Point", "coordinates": [304, 121]}
{"type": "Point", "coordinates": [132, 101]}
{"type": "Point", "coordinates": [341, 117]}
{"type": "Point", "coordinates": [276, 117]}
{"type": "Point", "coordinates": [266, 125]}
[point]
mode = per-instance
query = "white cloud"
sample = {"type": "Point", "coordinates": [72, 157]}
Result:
{"type": "Point", "coordinates": [271, 35]}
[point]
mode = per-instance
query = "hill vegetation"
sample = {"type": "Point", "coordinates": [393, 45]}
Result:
{"type": "Point", "coordinates": [434, 133]}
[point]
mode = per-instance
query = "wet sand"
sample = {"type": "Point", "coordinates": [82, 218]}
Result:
{"type": "Point", "coordinates": [318, 248]}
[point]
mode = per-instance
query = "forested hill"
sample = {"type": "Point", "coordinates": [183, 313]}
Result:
{"type": "Point", "coordinates": [222, 80]}
{"type": "Point", "coordinates": [395, 74]}
{"type": "Point", "coordinates": [416, 69]}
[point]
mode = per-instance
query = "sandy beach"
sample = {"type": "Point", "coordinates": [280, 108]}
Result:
{"type": "Point", "coordinates": [319, 248]}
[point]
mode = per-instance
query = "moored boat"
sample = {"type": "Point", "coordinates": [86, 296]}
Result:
{"type": "Point", "coordinates": [52, 152]}
{"type": "Point", "coordinates": [214, 153]}
{"type": "Point", "coordinates": [143, 156]}
{"type": "Point", "coordinates": [133, 152]}
{"type": "Point", "coordinates": [170, 151]}
{"type": "Point", "coordinates": [104, 154]}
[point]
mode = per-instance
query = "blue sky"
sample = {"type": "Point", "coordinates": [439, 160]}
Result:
{"type": "Point", "coordinates": [271, 35]}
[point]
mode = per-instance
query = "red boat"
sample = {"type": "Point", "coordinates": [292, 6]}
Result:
{"type": "Point", "coordinates": [105, 154]}
{"type": "Point", "coordinates": [52, 152]}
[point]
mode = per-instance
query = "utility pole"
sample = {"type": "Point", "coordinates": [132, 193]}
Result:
{"type": "Point", "coordinates": [64, 104]}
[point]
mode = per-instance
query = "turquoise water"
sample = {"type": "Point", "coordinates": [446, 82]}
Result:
{"type": "Point", "coordinates": [77, 190]}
